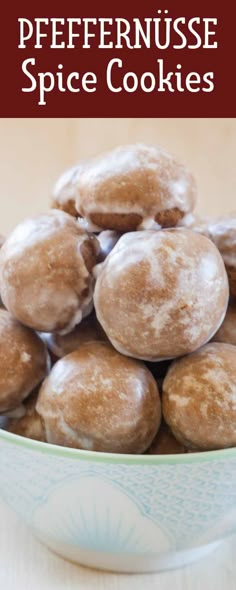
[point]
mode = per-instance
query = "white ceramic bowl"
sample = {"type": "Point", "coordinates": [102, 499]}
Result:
{"type": "Point", "coordinates": [123, 513]}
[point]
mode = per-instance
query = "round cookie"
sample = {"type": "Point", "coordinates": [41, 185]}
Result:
{"type": "Point", "coordinates": [99, 400]}
{"type": "Point", "coordinates": [227, 331]}
{"type": "Point", "coordinates": [135, 187]}
{"type": "Point", "coordinates": [161, 294]}
{"type": "Point", "coordinates": [65, 189]}
{"type": "Point", "coordinates": [165, 443]}
{"type": "Point", "coordinates": [223, 234]}
{"type": "Point", "coordinates": [46, 269]}
{"type": "Point", "coordinates": [89, 330]}
{"type": "Point", "coordinates": [30, 424]}
{"type": "Point", "coordinates": [199, 398]}
{"type": "Point", "coordinates": [23, 362]}
{"type": "Point", "coordinates": [65, 193]}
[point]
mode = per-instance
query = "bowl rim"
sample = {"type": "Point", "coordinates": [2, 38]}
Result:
{"type": "Point", "coordinates": [117, 458]}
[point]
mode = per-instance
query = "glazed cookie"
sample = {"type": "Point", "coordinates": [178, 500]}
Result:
{"type": "Point", "coordinates": [97, 399]}
{"type": "Point", "coordinates": [65, 194]}
{"type": "Point", "coordinates": [46, 269]}
{"type": "Point", "coordinates": [23, 362]}
{"type": "Point", "coordinates": [65, 190]}
{"type": "Point", "coordinates": [165, 443]}
{"type": "Point", "coordinates": [227, 331]}
{"type": "Point", "coordinates": [30, 424]}
{"type": "Point", "coordinates": [89, 330]}
{"type": "Point", "coordinates": [223, 234]}
{"type": "Point", "coordinates": [199, 398]}
{"type": "Point", "coordinates": [161, 294]}
{"type": "Point", "coordinates": [135, 186]}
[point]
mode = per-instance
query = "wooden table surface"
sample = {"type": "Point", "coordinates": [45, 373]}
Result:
{"type": "Point", "coordinates": [27, 565]}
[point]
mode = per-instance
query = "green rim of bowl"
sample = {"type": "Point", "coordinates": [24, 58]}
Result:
{"type": "Point", "coordinates": [98, 457]}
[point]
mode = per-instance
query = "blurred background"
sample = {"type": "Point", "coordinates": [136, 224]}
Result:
{"type": "Point", "coordinates": [34, 152]}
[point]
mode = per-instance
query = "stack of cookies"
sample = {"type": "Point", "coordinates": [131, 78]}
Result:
{"type": "Point", "coordinates": [118, 326]}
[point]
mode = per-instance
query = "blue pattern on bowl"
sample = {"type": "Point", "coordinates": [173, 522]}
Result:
{"type": "Point", "coordinates": [106, 506]}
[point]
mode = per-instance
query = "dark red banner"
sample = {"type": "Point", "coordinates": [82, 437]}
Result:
{"type": "Point", "coordinates": [102, 59]}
